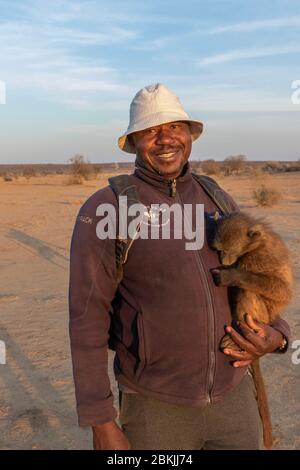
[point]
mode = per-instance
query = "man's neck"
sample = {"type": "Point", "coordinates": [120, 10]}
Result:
{"type": "Point", "coordinates": [141, 164]}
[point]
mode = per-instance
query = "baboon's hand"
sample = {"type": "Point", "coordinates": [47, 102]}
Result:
{"type": "Point", "coordinates": [224, 277]}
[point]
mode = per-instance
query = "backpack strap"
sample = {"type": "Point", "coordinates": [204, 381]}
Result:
{"type": "Point", "coordinates": [122, 185]}
{"type": "Point", "coordinates": [214, 192]}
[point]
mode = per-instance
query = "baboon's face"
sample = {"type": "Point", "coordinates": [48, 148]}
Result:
{"type": "Point", "coordinates": [234, 237]}
{"type": "Point", "coordinates": [227, 257]}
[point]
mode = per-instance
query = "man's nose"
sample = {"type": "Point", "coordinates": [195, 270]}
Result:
{"type": "Point", "coordinates": [164, 137]}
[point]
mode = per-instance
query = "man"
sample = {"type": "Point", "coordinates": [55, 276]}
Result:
{"type": "Point", "coordinates": [179, 391]}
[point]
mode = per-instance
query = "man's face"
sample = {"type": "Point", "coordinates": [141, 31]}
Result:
{"type": "Point", "coordinates": [165, 148]}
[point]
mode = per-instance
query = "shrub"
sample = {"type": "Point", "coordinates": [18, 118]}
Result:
{"type": "Point", "coordinates": [273, 167]}
{"type": "Point", "coordinates": [266, 196]}
{"type": "Point", "coordinates": [80, 168]}
{"type": "Point", "coordinates": [97, 169]}
{"type": "Point", "coordinates": [281, 167]}
{"type": "Point", "coordinates": [29, 172]}
{"type": "Point", "coordinates": [74, 179]}
{"type": "Point", "coordinates": [234, 164]}
{"type": "Point", "coordinates": [210, 167]}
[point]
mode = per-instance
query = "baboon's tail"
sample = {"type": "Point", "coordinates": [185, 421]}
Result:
{"type": "Point", "coordinates": [262, 402]}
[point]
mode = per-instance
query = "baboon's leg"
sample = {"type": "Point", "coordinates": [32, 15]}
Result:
{"type": "Point", "coordinates": [269, 286]}
{"type": "Point", "coordinates": [248, 302]}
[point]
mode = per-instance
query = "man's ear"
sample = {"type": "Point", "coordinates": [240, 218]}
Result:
{"type": "Point", "coordinates": [255, 232]}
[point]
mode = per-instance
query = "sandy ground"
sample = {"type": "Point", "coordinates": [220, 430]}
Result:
{"type": "Point", "coordinates": [37, 407]}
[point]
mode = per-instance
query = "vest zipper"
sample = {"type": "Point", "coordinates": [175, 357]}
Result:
{"type": "Point", "coordinates": [172, 184]}
{"type": "Point", "coordinates": [211, 317]}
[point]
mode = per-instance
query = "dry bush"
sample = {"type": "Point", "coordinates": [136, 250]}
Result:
{"type": "Point", "coordinates": [97, 169]}
{"type": "Point", "coordinates": [210, 167]}
{"type": "Point", "coordinates": [254, 171]}
{"type": "Point", "coordinates": [29, 172]}
{"type": "Point", "coordinates": [6, 176]}
{"type": "Point", "coordinates": [273, 167]}
{"type": "Point", "coordinates": [74, 179]}
{"type": "Point", "coordinates": [80, 168]}
{"type": "Point", "coordinates": [266, 196]}
{"type": "Point", "coordinates": [234, 164]}
{"type": "Point", "coordinates": [288, 167]}
{"type": "Point", "coordinates": [281, 167]}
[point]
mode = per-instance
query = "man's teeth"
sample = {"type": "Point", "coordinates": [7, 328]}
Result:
{"type": "Point", "coordinates": [166, 155]}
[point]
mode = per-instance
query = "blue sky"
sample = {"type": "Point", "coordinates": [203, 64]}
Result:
{"type": "Point", "coordinates": [71, 69]}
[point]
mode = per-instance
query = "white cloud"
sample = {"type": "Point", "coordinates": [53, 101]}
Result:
{"type": "Point", "coordinates": [77, 37]}
{"type": "Point", "coordinates": [225, 99]}
{"type": "Point", "coordinates": [249, 26]}
{"type": "Point", "coordinates": [41, 58]}
{"type": "Point", "coordinates": [241, 54]}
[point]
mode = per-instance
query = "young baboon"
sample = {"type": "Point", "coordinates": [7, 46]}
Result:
{"type": "Point", "coordinates": [259, 272]}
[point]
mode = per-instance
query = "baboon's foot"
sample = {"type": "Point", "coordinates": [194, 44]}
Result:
{"type": "Point", "coordinates": [228, 343]}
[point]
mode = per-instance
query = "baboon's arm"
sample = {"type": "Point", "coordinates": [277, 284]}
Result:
{"type": "Point", "coordinates": [270, 287]}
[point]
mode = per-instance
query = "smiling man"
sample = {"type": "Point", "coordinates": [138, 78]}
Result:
{"type": "Point", "coordinates": [163, 315]}
{"type": "Point", "coordinates": [164, 149]}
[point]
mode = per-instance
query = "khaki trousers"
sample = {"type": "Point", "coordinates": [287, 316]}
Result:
{"type": "Point", "coordinates": [230, 424]}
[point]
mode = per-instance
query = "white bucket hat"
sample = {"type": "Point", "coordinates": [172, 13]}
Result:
{"type": "Point", "coordinates": [152, 106]}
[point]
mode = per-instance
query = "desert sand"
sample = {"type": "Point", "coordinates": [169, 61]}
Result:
{"type": "Point", "coordinates": [37, 405]}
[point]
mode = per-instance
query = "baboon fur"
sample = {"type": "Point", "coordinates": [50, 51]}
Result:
{"type": "Point", "coordinates": [257, 268]}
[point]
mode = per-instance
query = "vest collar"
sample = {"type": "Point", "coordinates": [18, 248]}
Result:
{"type": "Point", "coordinates": [168, 187]}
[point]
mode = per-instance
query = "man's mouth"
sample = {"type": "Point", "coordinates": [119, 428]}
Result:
{"type": "Point", "coordinates": [166, 155]}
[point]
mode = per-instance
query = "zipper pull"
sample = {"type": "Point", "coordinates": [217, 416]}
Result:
{"type": "Point", "coordinates": [173, 187]}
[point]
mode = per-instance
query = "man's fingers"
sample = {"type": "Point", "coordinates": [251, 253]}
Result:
{"type": "Point", "coordinates": [240, 341]}
{"type": "Point", "coordinates": [254, 338]}
{"type": "Point", "coordinates": [242, 355]}
{"type": "Point", "coordinates": [242, 363]}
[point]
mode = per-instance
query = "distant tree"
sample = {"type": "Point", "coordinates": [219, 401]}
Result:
{"type": "Point", "coordinates": [210, 167]}
{"type": "Point", "coordinates": [29, 172]}
{"type": "Point", "coordinates": [81, 168]}
{"type": "Point", "coordinates": [273, 167]}
{"type": "Point", "coordinates": [234, 164]}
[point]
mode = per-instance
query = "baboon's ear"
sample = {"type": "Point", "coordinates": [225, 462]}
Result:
{"type": "Point", "coordinates": [254, 232]}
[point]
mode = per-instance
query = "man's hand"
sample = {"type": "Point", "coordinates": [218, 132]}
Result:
{"type": "Point", "coordinates": [109, 436]}
{"type": "Point", "coordinates": [258, 339]}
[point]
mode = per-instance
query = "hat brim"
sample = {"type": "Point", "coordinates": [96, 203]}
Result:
{"type": "Point", "coordinates": [124, 144]}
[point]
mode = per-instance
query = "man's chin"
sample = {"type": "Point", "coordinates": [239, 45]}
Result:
{"type": "Point", "coordinates": [171, 171]}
